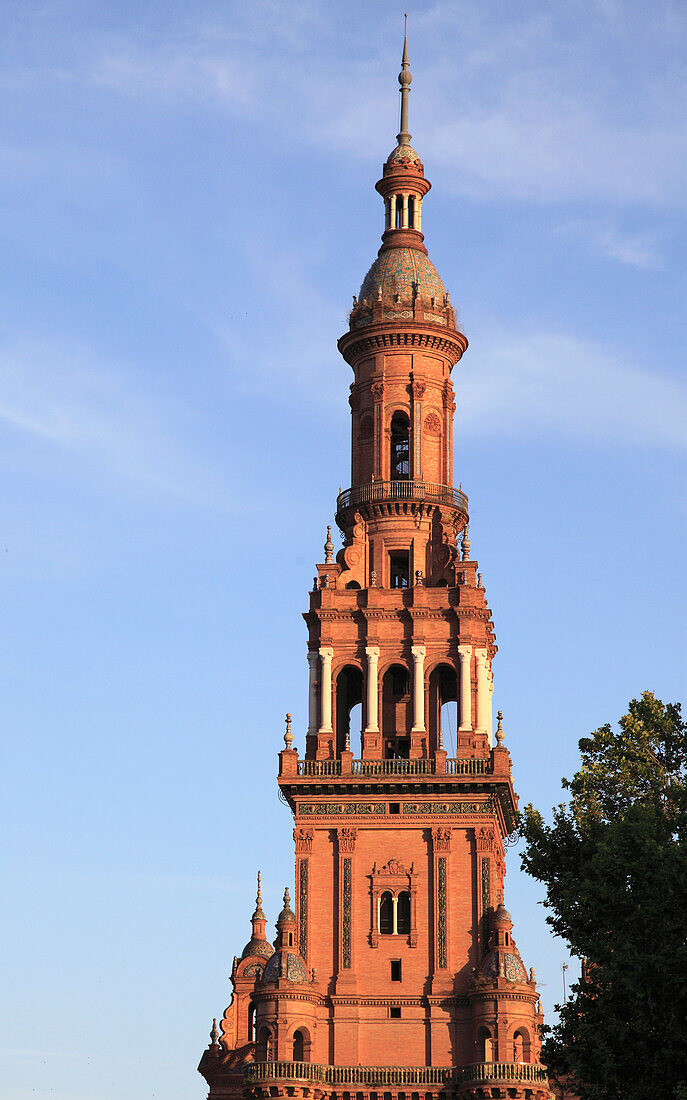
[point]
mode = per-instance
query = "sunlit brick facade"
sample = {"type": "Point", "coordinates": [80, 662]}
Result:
{"type": "Point", "coordinates": [394, 975]}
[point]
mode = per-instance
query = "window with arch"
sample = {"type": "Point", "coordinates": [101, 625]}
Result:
{"type": "Point", "coordinates": [386, 914]}
{"type": "Point", "coordinates": [485, 1045]}
{"type": "Point", "coordinates": [411, 211]}
{"type": "Point", "coordinates": [399, 212]}
{"type": "Point", "coordinates": [403, 913]}
{"type": "Point", "coordinates": [400, 447]}
{"type": "Point", "coordinates": [521, 1046]}
{"type": "Point", "coordinates": [298, 1046]}
{"type": "Point", "coordinates": [349, 698]}
{"type": "Point", "coordinates": [265, 1045]}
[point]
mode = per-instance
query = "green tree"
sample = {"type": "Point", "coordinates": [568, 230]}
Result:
{"type": "Point", "coordinates": [614, 865]}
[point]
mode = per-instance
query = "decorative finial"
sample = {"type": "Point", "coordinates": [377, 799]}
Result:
{"type": "Point", "coordinates": [329, 548]}
{"type": "Point", "coordinates": [499, 729]}
{"type": "Point", "coordinates": [418, 577]}
{"type": "Point", "coordinates": [479, 580]}
{"type": "Point", "coordinates": [404, 79]}
{"type": "Point", "coordinates": [373, 578]}
{"type": "Point", "coordinates": [532, 974]}
{"type": "Point", "coordinates": [258, 900]}
{"type": "Point", "coordinates": [466, 545]}
{"type": "Point", "coordinates": [288, 736]}
{"type": "Point", "coordinates": [214, 1045]}
{"type": "Point", "coordinates": [287, 898]}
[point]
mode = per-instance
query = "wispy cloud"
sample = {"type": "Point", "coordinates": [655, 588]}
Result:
{"type": "Point", "coordinates": [537, 385]}
{"type": "Point", "coordinates": [65, 401]}
{"type": "Point", "coordinates": [541, 107]}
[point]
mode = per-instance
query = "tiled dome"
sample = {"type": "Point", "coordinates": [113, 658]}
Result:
{"type": "Point", "coordinates": [258, 947]}
{"type": "Point", "coordinates": [514, 971]}
{"type": "Point", "coordinates": [395, 271]}
{"type": "Point", "coordinates": [285, 964]}
{"type": "Point", "coordinates": [401, 154]}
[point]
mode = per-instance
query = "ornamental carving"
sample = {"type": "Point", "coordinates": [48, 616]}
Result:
{"type": "Point", "coordinates": [347, 839]}
{"type": "Point", "coordinates": [432, 424]}
{"type": "Point", "coordinates": [448, 397]}
{"type": "Point", "coordinates": [419, 390]}
{"type": "Point", "coordinates": [393, 867]}
{"type": "Point", "coordinates": [441, 840]}
{"type": "Point", "coordinates": [303, 840]}
{"type": "Point", "coordinates": [485, 839]}
{"type": "Point", "coordinates": [377, 390]}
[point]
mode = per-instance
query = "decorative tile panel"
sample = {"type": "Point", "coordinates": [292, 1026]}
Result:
{"type": "Point", "coordinates": [346, 932]}
{"type": "Point", "coordinates": [441, 912]}
{"type": "Point", "coordinates": [303, 907]}
{"type": "Point", "coordinates": [337, 809]}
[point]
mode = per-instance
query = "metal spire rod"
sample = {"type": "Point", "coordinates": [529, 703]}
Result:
{"type": "Point", "coordinates": [404, 79]}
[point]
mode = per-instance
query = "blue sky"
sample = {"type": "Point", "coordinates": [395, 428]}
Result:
{"type": "Point", "coordinates": [187, 208]}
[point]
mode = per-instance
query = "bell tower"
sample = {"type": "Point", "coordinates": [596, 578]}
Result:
{"type": "Point", "coordinates": [395, 975]}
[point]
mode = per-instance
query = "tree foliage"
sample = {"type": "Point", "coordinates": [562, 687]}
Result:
{"type": "Point", "coordinates": [614, 864]}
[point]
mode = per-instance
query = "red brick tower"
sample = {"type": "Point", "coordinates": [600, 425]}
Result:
{"type": "Point", "coordinates": [397, 977]}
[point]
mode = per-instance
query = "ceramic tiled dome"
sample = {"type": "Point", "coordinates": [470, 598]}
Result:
{"type": "Point", "coordinates": [395, 271]}
{"type": "Point", "coordinates": [285, 964]}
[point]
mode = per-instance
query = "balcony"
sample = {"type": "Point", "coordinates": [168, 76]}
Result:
{"type": "Point", "coordinates": [472, 765]}
{"type": "Point", "coordinates": [378, 492]}
{"type": "Point", "coordinates": [379, 1077]}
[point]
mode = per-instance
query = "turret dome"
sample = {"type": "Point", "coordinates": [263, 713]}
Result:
{"type": "Point", "coordinates": [285, 964]}
{"type": "Point", "coordinates": [398, 271]}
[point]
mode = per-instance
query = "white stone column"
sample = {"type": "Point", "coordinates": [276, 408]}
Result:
{"type": "Point", "coordinates": [465, 656]}
{"type": "Point", "coordinates": [312, 690]}
{"type": "Point", "coordinates": [490, 710]}
{"type": "Point", "coordinates": [326, 654]}
{"type": "Point", "coordinates": [392, 211]}
{"type": "Point", "coordinates": [404, 215]}
{"type": "Point", "coordinates": [394, 909]}
{"type": "Point", "coordinates": [372, 653]}
{"type": "Point", "coordinates": [482, 690]}
{"type": "Point", "coordinates": [418, 216]}
{"type": "Point", "coordinates": [418, 652]}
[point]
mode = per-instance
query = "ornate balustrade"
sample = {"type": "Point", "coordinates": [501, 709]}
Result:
{"type": "Point", "coordinates": [375, 492]}
{"type": "Point", "coordinates": [472, 765]}
{"type": "Point", "coordinates": [380, 1076]}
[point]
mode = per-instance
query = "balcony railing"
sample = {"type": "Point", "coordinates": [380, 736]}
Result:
{"type": "Point", "coordinates": [378, 491]}
{"type": "Point", "coordinates": [381, 1076]}
{"type": "Point", "coordinates": [472, 765]}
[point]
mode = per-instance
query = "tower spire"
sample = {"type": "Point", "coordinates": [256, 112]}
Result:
{"type": "Point", "coordinates": [404, 79]}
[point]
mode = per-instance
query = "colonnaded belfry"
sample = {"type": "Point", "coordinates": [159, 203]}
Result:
{"type": "Point", "coordinates": [394, 974]}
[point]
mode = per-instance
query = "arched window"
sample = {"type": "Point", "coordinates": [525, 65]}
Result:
{"type": "Point", "coordinates": [485, 1045]}
{"type": "Point", "coordinates": [251, 1021]}
{"type": "Point", "coordinates": [349, 696]}
{"type": "Point", "coordinates": [443, 708]}
{"type": "Point", "coordinates": [521, 1046]}
{"type": "Point", "coordinates": [411, 211]}
{"type": "Point", "coordinates": [403, 914]}
{"type": "Point", "coordinates": [265, 1045]}
{"type": "Point", "coordinates": [400, 447]}
{"type": "Point", "coordinates": [386, 914]}
{"type": "Point", "coordinates": [298, 1046]}
{"type": "Point", "coordinates": [399, 211]}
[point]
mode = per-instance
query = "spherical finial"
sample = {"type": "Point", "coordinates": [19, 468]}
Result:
{"type": "Point", "coordinates": [288, 736]}
{"type": "Point", "coordinates": [287, 898]}
{"type": "Point", "coordinates": [214, 1045]}
{"type": "Point", "coordinates": [329, 548]}
{"type": "Point", "coordinates": [466, 545]}
{"type": "Point", "coordinates": [499, 729]}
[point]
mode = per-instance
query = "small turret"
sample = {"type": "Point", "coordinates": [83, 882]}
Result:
{"type": "Point", "coordinates": [258, 945]}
